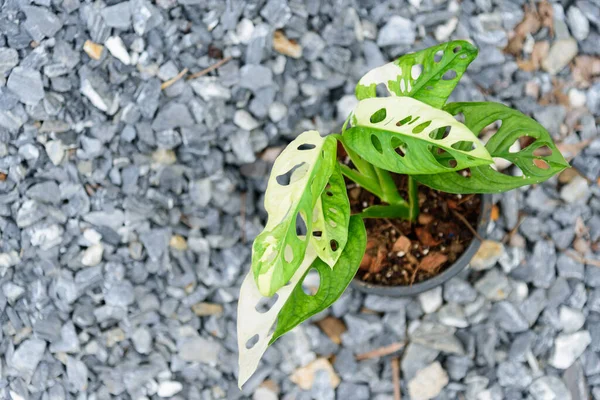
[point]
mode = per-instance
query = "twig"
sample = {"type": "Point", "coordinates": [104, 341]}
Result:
{"type": "Point", "coordinates": [466, 198]}
{"type": "Point", "coordinates": [381, 351]}
{"type": "Point", "coordinates": [211, 68]}
{"type": "Point", "coordinates": [512, 232]}
{"type": "Point", "coordinates": [583, 260]}
{"type": "Point", "coordinates": [171, 81]}
{"type": "Point", "coordinates": [467, 224]}
{"type": "Point", "coordinates": [396, 377]}
{"type": "Point", "coordinates": [414, 274]}
{"type": "Point", "coordinates": [243, 216]}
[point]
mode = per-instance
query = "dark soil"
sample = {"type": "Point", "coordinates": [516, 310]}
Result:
{"type": "Point", "coordinates": [402, 253]}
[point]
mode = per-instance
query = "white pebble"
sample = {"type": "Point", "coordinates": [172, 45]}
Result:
{"type": "Point", "coordinates": [168, 388]}
{"type": "Point", "coordinates": [117, 48]}
{"type": "Point", "coordinates": [92, 255]}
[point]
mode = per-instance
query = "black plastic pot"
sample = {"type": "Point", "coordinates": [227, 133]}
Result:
{"type": "Point", "coordinates": [459, 265]}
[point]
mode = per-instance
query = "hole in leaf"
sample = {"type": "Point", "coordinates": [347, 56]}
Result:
{"type": "Point", "coordinates": [444, 158]}
{"type": "Point", "coordinates": [333, 244]}
{"type": "Point", "coordinates": [378, 116]}
{"type": "Point", "coordinates": [457, 49]}
{"type": "Point", "coordinates": [306, 146]}
{"type": "Point", "coordinates": [449, 75]}
{"type": "Point", "coordinates": [311, 282]}
{"type": "Point", "coordinates": [382, 91]}
{"type": "Point", "coordinates": [438, 56]}
{"type": "Point", "coordinates": [266, 303]}
{"type": "Point", "coordinates": [329, 193]}
{"type": "Point", "coordinates": [399, 146]}
{"type": "Point", "coordinates": [288, 254]}
{"type": "Point", "coordinates": [462, 56]}
{"type": "Point", "coordinates": [252, 342]}
{"type": "Point", "coordinates": [440, 133]}
{"type": "Point", "coordinates": [429, 87]}
{"type": "Point", "coordinates": [416, 71]}
{"type": "Point", "coordinates": [460, 117]}
{"type": "Point", "coordinates": [317, 234]}
{"type": "Point", "coordinates": [404, 121]}
{"type": "Point", "coordinates": [463, 145]}
{"type": "Point", "coordinates": [538, 162]}
{"type": "Point", "coordinates": [466, 173]}
{"type": "Point", "coordinates": [293, 175]}
{"type": "Point", "coordinates": [376, 143]}
{"type": "Point", "coordinates": [421, 127]}
{"type": "Point", "coordinates": [491, 128]}
{"type": "Point", "coordinates": [301, 229]}
{"type": "Point", "coordinates": [543, 151]}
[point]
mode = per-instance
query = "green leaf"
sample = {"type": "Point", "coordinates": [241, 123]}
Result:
{"type": "Point", "coordinates": [436, 80]}
{"type": "Point", "coordinates": [258, 328]}
{"type": "Point", "coordinates": [330, 219]}
{"type": "Point", "coordinates": [484, 179]}
{"type": "Point", "coordinates": [300, 306]}
{"type": "Point", "coordinates": [394, 211]}
{"type": "Point", "coordinates": [298, 177]}
{"type": "Point", "coordinates": [406, 140]}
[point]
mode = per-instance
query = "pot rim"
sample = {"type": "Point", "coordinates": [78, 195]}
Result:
{"type": "Point", "coordinates": [461, 263]}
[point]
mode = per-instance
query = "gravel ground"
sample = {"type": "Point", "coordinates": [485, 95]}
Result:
{"type": "Point", "coordinates": [129, 196]}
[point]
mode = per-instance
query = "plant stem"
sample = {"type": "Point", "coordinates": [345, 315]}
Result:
{"type": "Point", "coordinates": [389, 188]}
{"type": "Point", "coordinates": [363, 181]}
{"type": "Point", "coordinates": [413, 198]}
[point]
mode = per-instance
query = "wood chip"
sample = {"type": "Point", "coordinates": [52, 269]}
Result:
{"type": "Point", "coordinates": [495, 214]}
{"type": "Point", "coordinates": [381, 351]}
{"type": "Point", "coordinates": [425, 237]}
{"type": "Point", "coordinates": [285, 46]}
{"type": "Point", "coordinates": [178, 242]}
{"type": "Point", "coordinates": [432, 262]}
{"type": "Point", "coordinates": [425, 219]}
{"type": "Point", "coordinates": [94, 50]}
{"type": "Point", "coordinates": [305, 377]}
{"type": "Point", "coordinates": [402, 244]}
{"type": "Point", "coordinates": [333, 328]}
{"type": "Point", "coordinates": [206, 309]}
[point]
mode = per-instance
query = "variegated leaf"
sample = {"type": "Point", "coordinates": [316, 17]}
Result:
{"type": "Point", "coordinates": [298, 177]}
{"type": "Point", "coordinates": [406, 136]}
{"type": "Point", "coordinates": [330, 219]}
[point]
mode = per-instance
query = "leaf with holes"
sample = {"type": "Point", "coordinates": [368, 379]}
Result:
{"type": "Point", "coordinates": [538, 161]}
{"type": "Point", "coordinates": [254, 325]}
{"type": "Point", "coordinates": [301, 306]}
{"type": "Point", "coordinates": [298, 177]}
{"type": "Point", "coordinates": [258, 328]}
{"type": "Point", "coordinates": [406, 136]}
{"type": "Point", "coordinates": [330, 219]}
{"type": "Point", "coordinates": [428, 75]}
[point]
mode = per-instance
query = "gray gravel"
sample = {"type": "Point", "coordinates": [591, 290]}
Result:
{"type": "Point", "coordinates": [129, 200]}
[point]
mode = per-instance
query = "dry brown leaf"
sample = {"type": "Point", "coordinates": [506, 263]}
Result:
{"type": "Point", "coordinates": [546, 13]}
{"type": "Point", "coordinates": [207, 309]}
{"type": "Point", "coordinates": [584, 69]}
{"type": "Point", "coordinates": [540, 51]}
{"type": "Point", "coordinates": [531, 23]}
{"type": "Point", "coordinates": [402, 244]}
{"type": "Point", "coordinates": [432, 262]}
{"type": "Point", "coordinates": [285, 46]}
{"type": "Point", "coordinates": [333, 328]}
{"type": "Point", "coordinates": [425, 237]}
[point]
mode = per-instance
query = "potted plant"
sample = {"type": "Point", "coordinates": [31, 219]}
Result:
{"type": "Point", "coordinates": [396, 202]}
